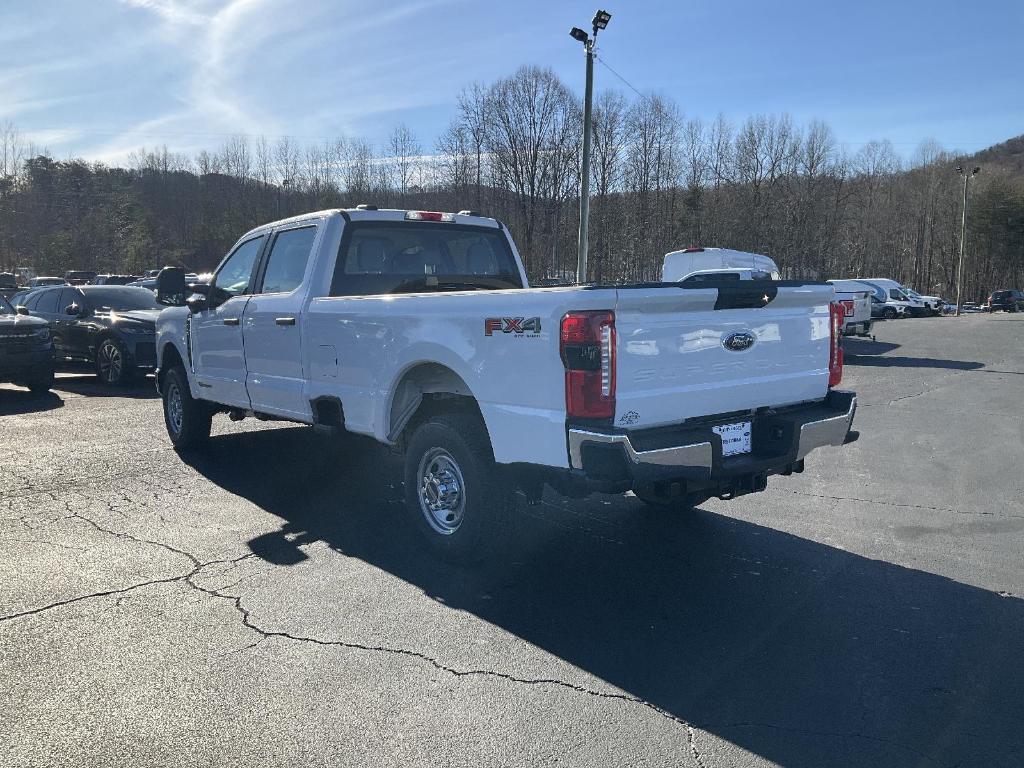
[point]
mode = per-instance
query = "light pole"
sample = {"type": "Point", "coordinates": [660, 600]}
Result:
{"type": "Point", "coordinates": [963, 234]}
{"type": "Point", "coordinates": [285, 183]}
{"type": "Point", "coordinates": [600, 21]}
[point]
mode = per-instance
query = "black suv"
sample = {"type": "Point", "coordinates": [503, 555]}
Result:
{"type": "Point", "coordinates": [26, 349]}
{"type": "Point", "coordinates": [111, 326]}
{"type": "Point", "coordinates": [1008, 301]}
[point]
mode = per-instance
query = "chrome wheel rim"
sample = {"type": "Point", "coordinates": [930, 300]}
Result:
{"type": "Point", "coordinates": [174, 408]}
{"type": "Point", "coordinates": [442, 491]}
{"type": "Point", "coordinates": [111, 362]}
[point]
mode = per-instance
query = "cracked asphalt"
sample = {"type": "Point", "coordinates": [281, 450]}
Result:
{"type": "Point", "coordinates": [267, 602]}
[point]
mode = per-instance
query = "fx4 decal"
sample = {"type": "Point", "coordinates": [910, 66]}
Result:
{"type": "Point", "coordinates": [516, 325]}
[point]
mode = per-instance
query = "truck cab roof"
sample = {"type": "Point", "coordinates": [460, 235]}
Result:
{"type": "Point", "coordinates": [679, 265]}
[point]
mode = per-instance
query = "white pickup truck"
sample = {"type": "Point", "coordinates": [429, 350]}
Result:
{"type": "Point", "coordinates": [855, 299]}
{"type": "Point", "coordinates": [419, 329]}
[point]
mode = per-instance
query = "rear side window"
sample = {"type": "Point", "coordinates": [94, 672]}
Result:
{"type": "Point", "coordinates": [712, 277]}
{"type": "Point", "coordinates": [288, 258]}
{"type": "Point", "coordinates": [48, 300]}
{"type": "Point", "coordinates": [234, 274]}
{"type": "Point", "coordinates": [396, 257]}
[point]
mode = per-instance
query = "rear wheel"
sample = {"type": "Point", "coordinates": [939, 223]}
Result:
{"type": "Point", "coordinates": [188, 420]}
{"type": "Point", "coordinates": [112, 365]}
{"type": "Point", "coordinates": [455, 492]}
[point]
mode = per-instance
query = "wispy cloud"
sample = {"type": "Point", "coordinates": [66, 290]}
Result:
{"type": "Point", "coordinates": [170, 11]}
{"type": "Point", "coordinates": [211, 100]}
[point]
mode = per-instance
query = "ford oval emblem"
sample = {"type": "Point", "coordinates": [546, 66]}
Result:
{"type": "Point", "coordinates": [738, 342]}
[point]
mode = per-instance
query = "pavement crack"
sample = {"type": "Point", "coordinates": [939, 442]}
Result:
{"type": "Point", "coordinates": [127, 536]}
{"type": "Point", "coordinates": [90, 596]}
{"type": "Point", "coordinates": [901, 505]}
{"type": "Point", "coordinates": [265, 634]}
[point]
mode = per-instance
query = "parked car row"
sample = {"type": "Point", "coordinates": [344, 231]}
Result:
{"type": "Point", "coordinates": [110, 327]}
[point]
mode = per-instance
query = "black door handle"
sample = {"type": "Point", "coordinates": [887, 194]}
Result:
{"type": "Point", "coordinates": [230, 321]}
{"type": "Point", "coordinates": [285, 321]}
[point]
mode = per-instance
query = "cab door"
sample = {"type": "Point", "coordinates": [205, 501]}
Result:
{"type": "Point", "coordinates": [272, 326]}
{"type": "Point", "coordinates": [218, 357]}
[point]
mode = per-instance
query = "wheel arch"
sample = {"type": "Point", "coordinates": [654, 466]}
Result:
{"type": "Point", "coordinates": [168, 356]}
{"type": "Point", "coordinates": [424, 388]}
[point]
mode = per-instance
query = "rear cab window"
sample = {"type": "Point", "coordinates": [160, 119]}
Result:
{"type": "Point", "coordinates": [381, 257]}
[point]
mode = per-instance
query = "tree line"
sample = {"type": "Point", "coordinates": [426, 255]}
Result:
{"type": "Point", "coordinates": [660, 181]}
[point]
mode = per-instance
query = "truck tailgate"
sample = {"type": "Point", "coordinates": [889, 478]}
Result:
{"type": "Point", "coordinates": [856, 306]}
{"type": "Point", "coordinates": [686, 352]}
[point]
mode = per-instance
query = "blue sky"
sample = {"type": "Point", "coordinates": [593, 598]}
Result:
{"type": "Point", "coordinates": [99, 78]}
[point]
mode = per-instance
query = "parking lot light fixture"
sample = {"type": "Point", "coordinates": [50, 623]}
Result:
{"type": "Point", "coordinates": [600, 21]}
{"type": "Point", "coordinates": [963, 234]}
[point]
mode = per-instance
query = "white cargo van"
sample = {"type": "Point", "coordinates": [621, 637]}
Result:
{"type": "Point", "coordinates": [890, 291]}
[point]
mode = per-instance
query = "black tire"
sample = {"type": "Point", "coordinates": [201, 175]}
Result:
{"type": "Point", "coordinates": [41, 381]}
{"type": "Point", "coordinates": [448, 460]}
{"type": "Point", "coordinates": [889, 313]}
{"type": "Point", "coordinates": [113, 366]}
{"type": "Point", "coordinates": [187, 420]}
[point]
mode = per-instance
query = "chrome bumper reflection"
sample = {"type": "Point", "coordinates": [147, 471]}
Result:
{"type": "Point", "coordinates": [695, 455]}
{"type": "Point", "coordinates": [813, 434]}
{"type": "Point", "coordinates": [830, 431]}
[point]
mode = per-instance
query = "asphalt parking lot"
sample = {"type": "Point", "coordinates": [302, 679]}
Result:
{"type": "Point", "coordinates": [267, 604]}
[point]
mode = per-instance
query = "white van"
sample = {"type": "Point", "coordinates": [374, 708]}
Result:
{"type": "Point", "coordinates": [890, 291]}
{"type": "Point", "coordinates": [722, 263]}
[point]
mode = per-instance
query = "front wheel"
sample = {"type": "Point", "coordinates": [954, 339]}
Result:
{"type": "Point", "coordinates": [112, 365]}
{"type": "Point", "coordinates": [187, 420]}
{"type": "Point", "coordinates": [456, 494]}
{"type": "Point", "coordinates": [889, 313]}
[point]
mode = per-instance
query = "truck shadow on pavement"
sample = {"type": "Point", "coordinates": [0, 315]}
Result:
{"type": "Point", "coordinates": [14, 402]}
{"type": "Point", "coordinates": [799, 652]}
{"type": "Point", "coordinates": [873, 354]}
{"type": "Point", "coordinates": [86, 384]}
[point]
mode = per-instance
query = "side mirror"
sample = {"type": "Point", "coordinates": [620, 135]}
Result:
{"type": "Point", "coordinates": [170, 287]}
{"type": "Point", "coordinates": [74, 310]}
{"type": "Point", "coordinates": [21, 309]}
{"type": "Point", "coordinates": [196, 303]}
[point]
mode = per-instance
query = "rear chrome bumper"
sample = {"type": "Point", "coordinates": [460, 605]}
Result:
{"type": "Point", "coordinates": [801, 430]}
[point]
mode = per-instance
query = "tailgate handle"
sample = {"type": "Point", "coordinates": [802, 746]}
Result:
{"type": "Point", "coordinates": [230, 321]}
{"type": "Point", "coordinates": [285, 321]}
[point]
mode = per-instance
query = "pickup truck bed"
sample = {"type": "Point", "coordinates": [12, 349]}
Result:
{"type": "Point", "coordinates": [420, 330]}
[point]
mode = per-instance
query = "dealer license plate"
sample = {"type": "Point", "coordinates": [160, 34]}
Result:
{"type": "Point", "coordinates": [735, 437]}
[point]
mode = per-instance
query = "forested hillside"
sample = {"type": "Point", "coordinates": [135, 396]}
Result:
{"type": "Point", "coordinates": [661, 180]}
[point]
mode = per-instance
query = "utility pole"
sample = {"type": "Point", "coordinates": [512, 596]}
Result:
{"type": "Point", "coordinates": [600, 21]}
{"type": "Point", "coordinates": [963, 235]}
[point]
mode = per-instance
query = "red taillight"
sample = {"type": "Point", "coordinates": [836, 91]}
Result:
{"type": "Point", "coordinates": [835, 356]}
{"type": "Point", "coordinates": [588, 353]}
{"type": "Point", "coordinates": [429, 216]}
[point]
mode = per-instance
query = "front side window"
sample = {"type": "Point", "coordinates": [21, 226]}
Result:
{"type": "Point", "coordinates": [289, 255]}
{"type": "Point", "coordinates": [68, 297]}
{"type": "Point", "coordinates": [403, 257]}
{"type": "Point", "coordinates": [5, 308]}
{"type": "Point", "coordinates": [233, 277]}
